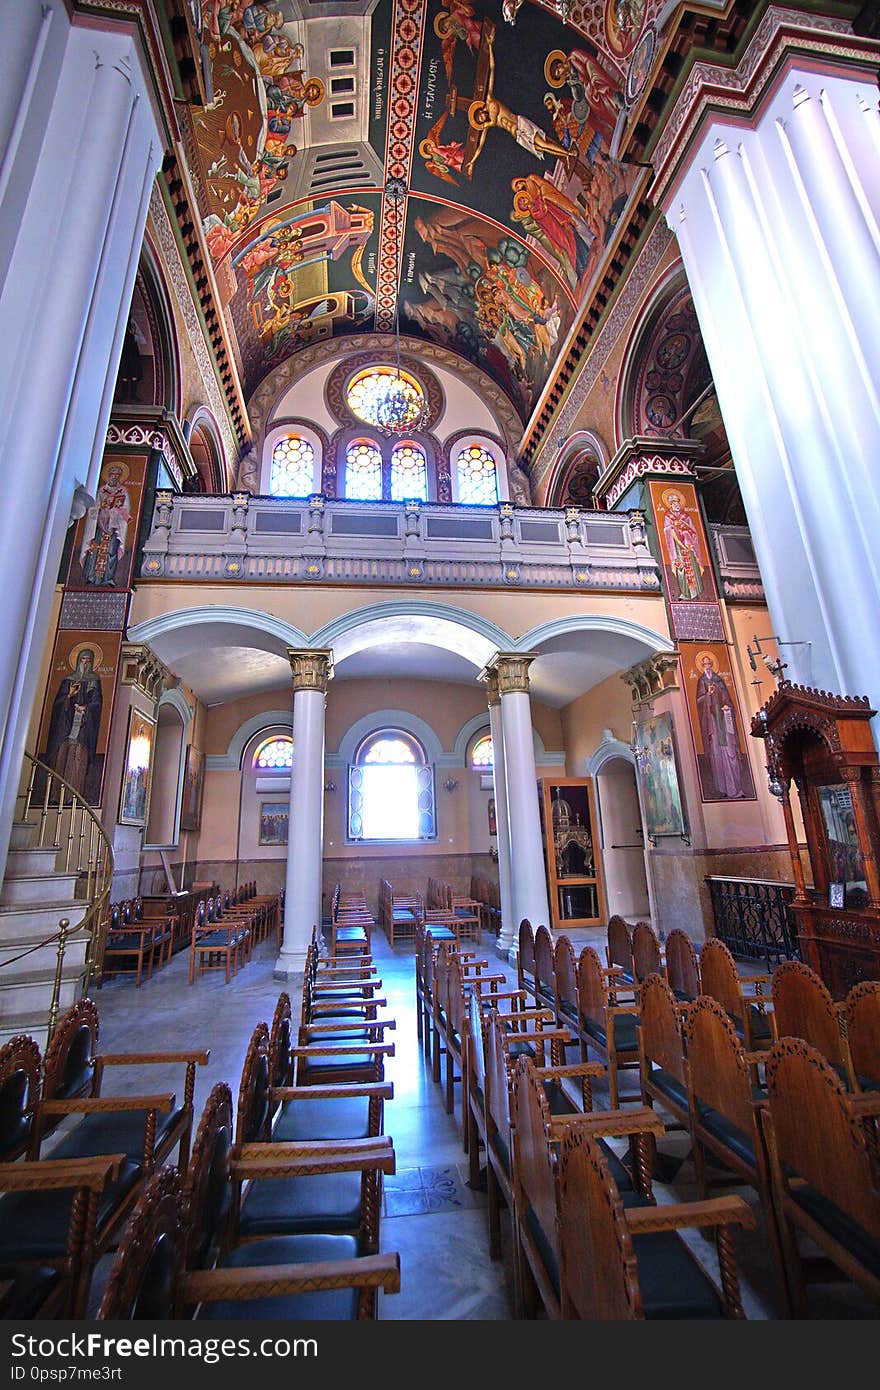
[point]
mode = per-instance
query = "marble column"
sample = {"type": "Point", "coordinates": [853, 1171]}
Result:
{"type": "Point", "coordinates": [311, 671]}
{"type": "Point", "coordinates": [507, 934]}
{"type": "Point", "coordinates": [528, 879]}
{"type": "Point", "coordinates": [779, 227]}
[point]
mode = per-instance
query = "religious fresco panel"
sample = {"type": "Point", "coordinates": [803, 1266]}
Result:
{"type": "Point", "coordinates": [79, 702]}
{"type": "Point", "coordinates": [104, 543]}
{"type": "Point", "coordinates": [716, 722]}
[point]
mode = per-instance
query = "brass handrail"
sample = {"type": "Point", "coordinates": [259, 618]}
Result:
{"type": "Point", "coordinates": [67, 823]}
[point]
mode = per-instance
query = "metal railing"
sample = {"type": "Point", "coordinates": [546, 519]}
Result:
{"type": "Point", "coordinates": [753, 918]}
{"type": "Point", "coordinates": [65, 821]}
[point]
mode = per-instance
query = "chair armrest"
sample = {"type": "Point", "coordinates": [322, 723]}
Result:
{"type": "Point", "coordinates": [300, 1165]}
{"type": "Point", "coordinates": [45, 1174]}
{"type": "Point", "coordinates": [104, 1105]}
{"type": "Point", "coordinates": [574, 1069]}
{"type": "Point", "coordinates": [373, 1049]}
{"type": "Point", "coordinates": [716, 1211]}
{"type": "Point", "coordinates": [260, 1152]}
{"type": "Point", "coordinates": [622, 1009]}
{"type": "Point", "coordinates": [521, 1015]}
{"type": "Point", "coordinates": [864, 1104]}
{"type": "Point", "coordinates": [265, 1281]}
{"type": "Point", "coordinates": [615, 1124]}
{"type": "Point", "coordinates": [340, 1090]}
{"type": "Point", "coordinates": [358, 1026]}
{"type": "Point", "coordinates": [136, 1059]}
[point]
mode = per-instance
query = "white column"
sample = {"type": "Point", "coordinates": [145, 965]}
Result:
{"type": "Point", "coordinates": [507, 936]}
{"type": "Point", "coordinates": [305, 850]}
{"type": "Point", "coordinates": [86, 147]}
{"type": "Point", "coordinates": [779, 228]}
{"type": "Point", "coordinates": [528, 878]}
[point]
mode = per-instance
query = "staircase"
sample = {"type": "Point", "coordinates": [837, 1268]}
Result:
{"type": "Point", "coordinates": [59, 867]}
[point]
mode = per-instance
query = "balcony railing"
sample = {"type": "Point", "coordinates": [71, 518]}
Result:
{"type": "Point", "coordinates": [737, 565]}
{"type": "Point", "coordinates": [753, 918]}
{"type": "Point", "coordinates": [241, 537]}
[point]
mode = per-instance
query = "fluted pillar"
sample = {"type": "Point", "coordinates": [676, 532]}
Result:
{"type": "Point", "coordinates": [779, 229]}
{"type": "Point", "coordinates": [528, 879]}
{"type": "Point", "coordinates": [311, 671]}
{"type": "Point", "coordinates": [507, 933]}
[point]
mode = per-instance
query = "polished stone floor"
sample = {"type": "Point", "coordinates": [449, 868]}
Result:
{"type": "Point", "coordinates": [431, 1216]}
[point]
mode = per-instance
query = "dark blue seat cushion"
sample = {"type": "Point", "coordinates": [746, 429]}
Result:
{"type": "Point", "coordinates": [28, 1287]}
{"type": "Point", "coordinates": [545, 1251]}
{"type": "Point", "coordinates": [670, 1086]}
{"type": "Point", "coordinates": [127, 942]}
{"type": "Point", "coordinates": [329, 1203]}
{"type": "Point", "coordinates": [840, 1226]}
{"type": "Point", "coordinates": [672, 1284]}
{"type": "Point", "coordinates": [33, 1225]}
{"type": "Point", "coordinates": [332, 1068]}
{"type": "Point", "coordinates": [625, 1037]}
{"type": "Point", "coordinates": [441, 933]}
{"type": "Point", "coordinates": [727, 1133]}
{"type": "Point", "coordinates": [115, 1132]}
{"type": "Point", "coordinates": [302, 1120]}
{"type": "Point", "coordinates": [324, 1305]}
{"type": "Point", "coordinates": [217, 940]}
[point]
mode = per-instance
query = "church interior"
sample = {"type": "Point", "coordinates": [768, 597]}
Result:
{"type": "Point", "coordinates": [439, 788]}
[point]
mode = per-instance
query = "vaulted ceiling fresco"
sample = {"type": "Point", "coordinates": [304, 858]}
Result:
{"type": "Point", "coordinates": [498, 119]}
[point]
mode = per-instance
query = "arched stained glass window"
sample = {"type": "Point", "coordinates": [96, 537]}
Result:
{"type": "Point", "coordinates": [381, 394]}
{"type": "Point", "coordinates": [482, 754]}
{"type": "Point", "coordinates": [363, 471]}
{"type": "Point", "coordinates": [391, 789]}
{"type": "Point", "coordinates": [476, 475]}
{"type": "Point", "coordinates": [275, 754]}
{"type": "Point", "coordinates": [292, 473]}
{"type": "Point", "coordinates": [409, 473]}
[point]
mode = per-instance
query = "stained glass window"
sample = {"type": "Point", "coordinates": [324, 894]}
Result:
{"type": "Point", "coordinates": [363, 471]}
{"type": "Point", "coordinates": [409, 473]}
{"type": "Point", "coordinates": [477, 483]}
{"type": "Point", "coordinates": [371, 392]}
{"type": "Point", "coordinates": [482, 754]}
{"type": "Point", "coordinates": [292, 473]}
{"type": "Point", "coordinates": [391, 790]}
{"type": "Point", "coordinates": [275, 755]}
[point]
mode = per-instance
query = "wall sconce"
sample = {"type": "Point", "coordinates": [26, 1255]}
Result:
{"type": "Point", "coordinates": [451, 783]}
{"type": "Point", "coordinates": [329, 786]}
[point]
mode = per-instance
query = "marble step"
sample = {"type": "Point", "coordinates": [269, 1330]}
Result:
{"type": "Point", "coordinates": [24, 833]}
{"type": "Point", "coordinates": [37, 921]}
{"type": "Point", "coordinates": [42, 958]}
{"type": "Point", "coordinates": [22, 863]}
{"type": "Point", "coordinates": [41, 889]}
{"type": "Point", "coordinates": [35, 1024]}
{"type": "Point", "coordinates": [31, 993]}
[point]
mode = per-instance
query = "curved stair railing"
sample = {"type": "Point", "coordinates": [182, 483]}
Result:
{"type": "Point", "coordinates": [64, 820]}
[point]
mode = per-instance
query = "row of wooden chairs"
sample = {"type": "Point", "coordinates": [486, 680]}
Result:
{"type": "Point", "coordinates": [399, 913]}
{"type": "Point", "coordinates": [445, 906]}
{"type": "Point", "coordinates": [136, 940]}
{"type": "Point", "coordinates": [487, 895]}
{"type": "Point", "coordinates": [351, 923]}
{"type": "Point", "coordinates": [227, 927]}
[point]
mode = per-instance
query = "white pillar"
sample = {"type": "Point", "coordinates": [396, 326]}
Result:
{"type": "Point", "coordinates": [528, 878]}
{"type": "Point", "coordinates": [779, 228]}
{"type": "Point", "coordinates": [507, 936]}
{"type": "Point", "coordinates": [305, 850]}
{"type": "Point", "coordinates": [85, 147]}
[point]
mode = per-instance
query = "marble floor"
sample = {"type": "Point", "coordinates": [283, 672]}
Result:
{"type": "Point", "coordinates": [430, 1214]}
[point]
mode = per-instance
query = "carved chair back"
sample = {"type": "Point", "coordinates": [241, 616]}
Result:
{"type": "Point", "coordinates": [863, 1032]}
{"type": "Point", "coordinates": [717, 1062]}
{"type": "Point", "coordinates": [620, 945]}
{"type": "Point", "coordinates": [565, 974]}
{"type": "Point", "coordinates": [525, 961]}
{"type": "Point", "coordinates": [720, 979]}
{"type": "Point", "coordinates": [207, 1190]}
{"type": "Point", "coordinates": [281, 1043]}
{"type": "Point", "coordinates": [600, 1277]}
{"type": "Point", "coordinates": [682, 966]}
{"type": "Point", "coordinates": [20, 1065]}
{"type": "Point", "coordinates": [534, 1171]}
{"type": "Point", "coordinates": [592, 991]}
{"type": "Point", "coordinates": [544, 982]}
{"type": "Point", "coordinates": [803, 1008]}
{"type": "Point", "coordinates": [497, 1080]}
{"type": "Point", "coordinates": [646, 955]}
{"type": "Point", "coordinates": [151, 1255]}
{"type": "Point", "coordinates": [252, 1116]}
{"type": "Point", "coordinates": [69, 1064]}
{"type": "Point", "coordinates": [661, 1033]}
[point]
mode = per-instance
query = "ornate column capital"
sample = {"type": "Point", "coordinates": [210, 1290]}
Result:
{"type": "Point", "coordinates": [489, 677]}
{"type": "Point", "coordinates": [311, 668]}
{"type": "Point", "coordinates": [511, 672]}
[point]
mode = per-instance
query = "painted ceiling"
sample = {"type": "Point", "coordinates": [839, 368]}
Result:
{"type": "Point", "coordinates": [499, 120]}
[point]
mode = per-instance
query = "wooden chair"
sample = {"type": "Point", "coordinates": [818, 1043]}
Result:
{"type": "Point", "coordinates": [824, 1183]}
{"type": "Point", "coordinates": [163, 924]}
{"type": "Point", "coordinates": [545, 983]}
{"type": "Point", "coordinates": [604, 1025]}
{"type": "Point", "coordinates": [803, 1008]}
{"type": "Point", "coordinates": [662, 1061]}
{"type": "Point", "coordinates": [467, 912]}
{"type": "Point", "coordinates": [682, 966]}
{"type": "Point", "coordinates": [623, 1262]}
{"type": "Point", "coordinates": [341, 1038]}
{"type": "Point", "coordinates": [129, 948]}
{"type": "Point", "coordinates": [565, 981]}
{"type": "Point", "coordinates": [351, 923]}
{"type": "Point", "coordinates": [619, 949]}
{"type": "Point", "coordinates": [399, 913]}
{"type": "Point", "coordinates": [862, 1013]}
{"type": "Point", "coordinates": [646, 952]}
{"type": "Point", "coordinates": [525, 959]}
{"type": "Point", "coordinates": [721, 981]}
{"type": "Point", "coordinates": [213, 944]}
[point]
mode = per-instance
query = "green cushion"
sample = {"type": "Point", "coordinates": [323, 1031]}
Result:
{"type": "Point", "coordinates": [670, 1086]}
{"type": "Point", "coordinates": [114, 1132]}
{"type": "Point", "coordinates": [329, 1203]}
{"type": "Point", "coordinates": [324, 1305]}
{"type": "Point", "coordinates": [33, 1225]}
{"type": "Point", "coordinates": [302, 1120]}
{"type": "Point", "coordinates": [729, 1134]}
{"type": "Point", "coordinates": [545, 1250]}
{"type": "Point", "coordinates": [625, 1038]}
{"type": "Point", "coordinates": [840, 1225]}
{"type": "Point", "coordinates": [673, 1285]}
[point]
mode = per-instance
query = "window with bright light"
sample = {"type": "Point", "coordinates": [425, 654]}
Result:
{"type": "Point", "coordinates": [409, 473]}
{"type": "Point", "coordinates": [391, 789]}
{"type": "Point", "coordinates": [482, 754]}
{"type": "Point", "coordinates": [275, 754]}
{"type": "Point", "coordinates": [363, 471]}
{"type": "Point", "coordinates": [369, 392]}
{"type": "Point", "coordinates": [476, 476]}
{"type": "Point", "coordinates": [292, 473]}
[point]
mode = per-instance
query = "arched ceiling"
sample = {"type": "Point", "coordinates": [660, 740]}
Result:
{"type": "Point", "coordinates": [501, 132]}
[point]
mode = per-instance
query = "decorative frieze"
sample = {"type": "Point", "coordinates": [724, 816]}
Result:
{"type": "Point", "coordinates": [652, 677]}
{"type": "Point", "coordinates": [140, 667]}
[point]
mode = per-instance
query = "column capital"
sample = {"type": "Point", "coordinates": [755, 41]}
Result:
{"type": "Point", "coordinates": [311, 668]}
{"type": "Point", "coordinates": [509, 672]}
{"type": "Point", "coordinates": [489, 677]}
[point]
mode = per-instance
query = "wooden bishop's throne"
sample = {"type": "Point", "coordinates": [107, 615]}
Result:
{"type": "Point", "coordinates": [824, 745]}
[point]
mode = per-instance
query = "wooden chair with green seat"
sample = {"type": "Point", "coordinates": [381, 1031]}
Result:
{"type": "Point", "coordinates": [720, 979]}
{"type": "Point", "coordinates": [335, 1187]}
{"type": "Point", "coordinates": [604, 1025]}
{"type": "Point", "coordinates": [620, 1262]}
{"type": "Point", "coordinates": [862, 1013]}
{"type": "Point", "coordinates": [823, 1180]}
{"type": "Point", "coordinates": [465, 976]}
{"type": "Point", "coordinates": [682, 966]}
{"type": "Point", "coordinates": [647, 952]}
{"type": "Point", "coordinates": [525, 959]}
{"type": "Point", "coordinates": [803, 1008]}
{"type": "Point", "coordinates": [545, 982]}
{"type": "Point", "coordinates": [565, 980]}
{"type": "Point", "coordinates": [618, 951]}
{"type": "Point", "coordinates": [536, 1132]}
{"type": "Point", "coordinates": [662, 1059]}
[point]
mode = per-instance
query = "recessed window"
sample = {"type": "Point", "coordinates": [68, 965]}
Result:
{"type": "Point", "coordinates": [391, 789]}
{"type": "Point", "coordinates": [482, 754]}
{"type": "Point", "coordinates": [476, 476]}
{"type": "Point", "coordinates": [341, 86]}
{"type": "Point", "coordinates": [342, 57]}
{"type": "Point", "coordinates": [363, 471]}
{"type": "Point", "coordinates": [292, 473]}
{"type": "Point", "coordinates": [275, 754]}
{"type": "Point", "coordinates": [409, 473]}
{"type": "Point", "coordinates": [341, 110]}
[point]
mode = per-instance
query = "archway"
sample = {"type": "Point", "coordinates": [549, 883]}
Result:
{"type": "Point", "coordinates": [623, 839]}
{"type": "Point", "coordinates": [162, 828]}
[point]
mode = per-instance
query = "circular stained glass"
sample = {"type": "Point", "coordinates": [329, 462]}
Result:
{"type": "Point", "coordinates": [387, 398]}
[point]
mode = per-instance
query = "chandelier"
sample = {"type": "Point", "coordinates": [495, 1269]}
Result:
{"type": "Point", "coordinates": [398, 403]}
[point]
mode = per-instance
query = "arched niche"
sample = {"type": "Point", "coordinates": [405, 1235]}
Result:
{"type": "Point", "coordinates": [149, 372]}
{"type": "Point", "coordinates": [163, 824]}
{"type": "Point", "coordinates": [622, 834]}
